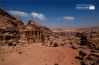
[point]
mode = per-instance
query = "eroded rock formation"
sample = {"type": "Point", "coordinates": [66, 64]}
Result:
{"type": "Point", "coordinates": [14, 30]}
{"type": "Point", "coordinates": [8, 29]}
{"type": "Point", "coordinates": [32, 32]}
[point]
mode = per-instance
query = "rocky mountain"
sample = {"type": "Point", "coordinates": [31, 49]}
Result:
{"type": "Point", "coordinates": [13, 30]}
{"type": "Point", "coordinates": [33, 32]}
{"type": "Point", "coordinates": [4, 13]}
{"type": "Point", "coordinates": [8, 28]}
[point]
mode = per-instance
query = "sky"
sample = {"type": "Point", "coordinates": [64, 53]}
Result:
{"type": "Point", "coordinates": [54, 13]}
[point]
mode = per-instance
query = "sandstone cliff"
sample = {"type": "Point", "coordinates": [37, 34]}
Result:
{"type": "Point", "coordinates": [8, 29]}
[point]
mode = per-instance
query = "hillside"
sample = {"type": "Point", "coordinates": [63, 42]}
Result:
{"type": "Point", "coordinates": [35, 44]}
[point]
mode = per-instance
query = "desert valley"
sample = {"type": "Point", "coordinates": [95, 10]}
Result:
{"type": "Point", "coordinates": [35, 44]}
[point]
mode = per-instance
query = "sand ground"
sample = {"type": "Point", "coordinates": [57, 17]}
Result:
{"type": "Point", "coordinates": [38, 55]}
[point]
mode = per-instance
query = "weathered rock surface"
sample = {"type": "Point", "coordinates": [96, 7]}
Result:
{"type": "Point", "coordinates": [8, 28]}
{"type": "Point", "coordinates": [14, 30]}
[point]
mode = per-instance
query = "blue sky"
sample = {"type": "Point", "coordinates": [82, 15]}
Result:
{"type": "Point", "coordinates": [55, 13]}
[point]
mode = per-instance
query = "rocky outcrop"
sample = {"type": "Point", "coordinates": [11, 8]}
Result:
{"type": "Point", "coordinates": [91, 59]}
{"type": "Point", "coordinates": [92, 35]}
{"type": "Point", "coordinates": [13, 30]}
{"type": "Point", "coordinates": [88, 59]}
{"type": "Point", "coordinates": [8, 29]}
{"type": "Point", "coordinates": [89, 38]}
{"type": "Point", "coordinates": [4, 13]}
{"type": "Point", "coordinates": [33, 32]}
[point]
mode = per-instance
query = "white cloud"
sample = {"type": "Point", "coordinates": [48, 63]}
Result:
{"type": "Point", "coordinates": [69, 18]}
{"type": "Point", "coordinates": [18, 13]}
{"type": "Point", "coordinates": [38, 15]}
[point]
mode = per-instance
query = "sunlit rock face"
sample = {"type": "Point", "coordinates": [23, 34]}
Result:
{"type": "Point", "coordinates": [13, 30]}
{"type": "Point", "coordinates": [33, 32]}
{"type": "Point", "coordinates": [8, 29]}
{"type": "Point", "coordinates": [31, 23]}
